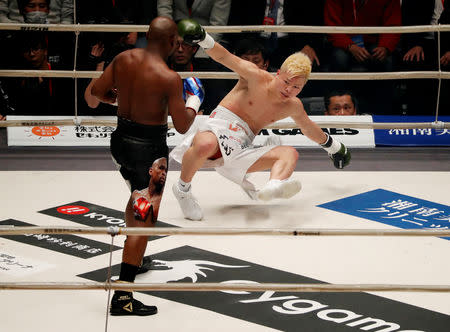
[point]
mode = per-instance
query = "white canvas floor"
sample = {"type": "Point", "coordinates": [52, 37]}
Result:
{"type": "Point", "coordinates": [349, 260]}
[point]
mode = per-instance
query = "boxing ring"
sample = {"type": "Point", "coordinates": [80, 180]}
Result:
{"type": "Point", "coordinates": [310, 263]}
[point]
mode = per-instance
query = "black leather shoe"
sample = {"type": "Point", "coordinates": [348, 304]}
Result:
{"type": "Point", "coordinates": [126, 305]}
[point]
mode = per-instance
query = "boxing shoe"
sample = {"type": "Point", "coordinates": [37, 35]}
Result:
{"type": "Point", "coordinates": [279, 189]}
{"type": "Point", "coordinates": [188, 204]}
{"type": "Point", "coordinates": [123, 304]}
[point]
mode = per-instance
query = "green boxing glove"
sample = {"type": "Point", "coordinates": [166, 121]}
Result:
{"type": "Point", "coordinates": [193, 33]}
{"type": "Point", "coordinates": [337, 151]}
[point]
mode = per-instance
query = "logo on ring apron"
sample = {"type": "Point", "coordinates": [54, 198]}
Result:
{"type": "Point", "coordinates": [394, 209]}
{"type": "Point", "coordinates": [285, 311]}
{"type": "Point", "coordinates": [90, 214]}
{"type": "Point", "coordinates": [63, 243]}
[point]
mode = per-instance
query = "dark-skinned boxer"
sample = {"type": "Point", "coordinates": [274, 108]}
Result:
{"type": "Point", "coordinates": [147, 91]}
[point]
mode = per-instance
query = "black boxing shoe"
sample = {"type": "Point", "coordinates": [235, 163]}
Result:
{"type": "Point", "coordinates": [145, 266]}
{"type": "Point", "coordinates": [126, 305]}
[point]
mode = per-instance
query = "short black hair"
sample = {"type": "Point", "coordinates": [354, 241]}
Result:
{"type": "Point", "coordinates": [250, 46]}
{"type": "Point", "coordinates": [338, 93]}
{"type": "Point", "coordinates": [32, 40]}
{"type": "Point", "coordinates": [22, 3]}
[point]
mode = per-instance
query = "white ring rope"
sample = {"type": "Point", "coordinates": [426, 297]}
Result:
{"type": "Point", "coordinates": [278, 287]}
{"type": "Point", "coordinates": [232, 76]}
{"type": "Point", "coordinates": [276, 125]}
{"type": "Point", "coordinates": [227, 75]}
{"type": "Point", "coordinates": [229, 28]}
{"type": "Point", "coordinates": [114, 230]}
{"type": "Point", "coordinates": [201, 287]}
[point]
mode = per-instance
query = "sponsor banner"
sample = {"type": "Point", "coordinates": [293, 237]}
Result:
{"type": "Point", "coordinates": [350, 137]}
{"type": "Point", "coordinates": [59, 135]}
{"type": "Point", "coordinates": [100, 135]}
{"type": "Point", "coordinates": [411, 137]}
{"type": "Point", "coordinates": [394, 209]}
{"type": "Point", "coordinates": [17, 266]}
{"type": "Point", "coordinates": [93, 215]}
{"type": "Point", "coordinates": [63, 243]}
{"type": "Point", "coordinates": [284, 311]}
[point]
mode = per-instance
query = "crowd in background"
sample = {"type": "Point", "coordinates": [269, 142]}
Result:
{"type": "Point", "coordinates": [384, 52]}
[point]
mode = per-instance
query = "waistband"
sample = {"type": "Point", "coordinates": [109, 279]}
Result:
{"type": "Point", "coordinates": [138, 130]}
{"type": "Point", "coordinates": [221, 112]}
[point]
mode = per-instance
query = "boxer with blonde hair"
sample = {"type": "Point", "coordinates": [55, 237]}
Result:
{"type": "Point", "coordinates": [225, 140]}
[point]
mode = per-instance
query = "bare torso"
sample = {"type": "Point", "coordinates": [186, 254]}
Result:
{"type": "Point", "coordinates": [142, 80]}
{"type": "Point", "coordinates": [256, 103]}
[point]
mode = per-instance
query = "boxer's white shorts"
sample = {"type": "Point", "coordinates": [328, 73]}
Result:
{"type": "Point", "coordinates": [235, 141]}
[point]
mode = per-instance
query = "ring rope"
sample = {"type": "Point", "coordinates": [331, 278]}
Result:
{"type": "Point", "coordinates": [438, 97]}
{"type": "Point", "coordinates": [233, 76]}
{"type": "Point", "coordinates": [276, 125]}
{"type": "Point", "coordinates": [201, 287]}
{"type": "Point", "coordinates": [20, 230]}
{"type": "Point", "coordinates": [229, 28]}
{"type": "Point", "coordinates": [319, 76]}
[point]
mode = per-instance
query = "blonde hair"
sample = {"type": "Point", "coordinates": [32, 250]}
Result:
{"type": "Point", "coordinates": [297, 64]}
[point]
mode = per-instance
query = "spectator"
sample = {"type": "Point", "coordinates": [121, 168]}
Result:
{"type": "Point", "coordinates": [418, 53]}
{"type": "Point", "coordinates": [182, 60]}
{"type": "Point", "coordinates": [340, 102]}
{"type": "Point", "coordinates": [287, 12]}
{"type": "Point", "coordinates": [116, 12]}
{"type": "Point", "coordinates": [353, 52]}
{"type": "Point", "coordinates": [60, 46]}
{"type": "Point", "coordinates": [312, 44]}
{"type": "Point", "coordinates": [444, 105]}
{"type": "Point", "coordinates": [139, 12]}
{"type": "Point", "coordinates": [99, 58]}
{"type": "Point", "coordinates": [253, 51]}
{"type": "Point", "coordinates": [59, 11]}
{"type": "Point", "coordinates": [34, 11]}
{"type": "Point", "coordinates": [206, 12]}
{"type": "Point", "coordinates": [5, 107]}
{"type": "Point", "coordinates": [365, 52]}
{"type": "Point", "coordinates": [293, 12]}
{"type": "Point", "coordinates": [38, 95]}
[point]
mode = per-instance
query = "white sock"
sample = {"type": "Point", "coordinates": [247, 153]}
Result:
{"type": "Point", "coordinates": [184, 186]}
